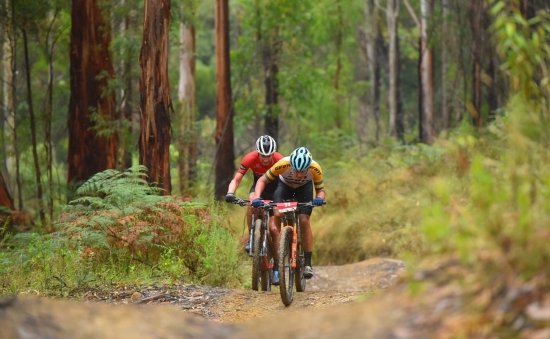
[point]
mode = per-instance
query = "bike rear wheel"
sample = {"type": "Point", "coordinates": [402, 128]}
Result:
{"type": "Point", "coordinates": [256, 259]}
{"type": "Point", "coordinates": [286, 272]}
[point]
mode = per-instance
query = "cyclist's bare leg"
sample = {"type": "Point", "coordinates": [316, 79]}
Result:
{"type": "Point", "coordinates": [275, 231]}
{"type": "Point", "coordinates": [307, 243]}
{"type": "Point", "coordinates": [249, 211]}
{"type": "Point", "coordinates": [307, 235]}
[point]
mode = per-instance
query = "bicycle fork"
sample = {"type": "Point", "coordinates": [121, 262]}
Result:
{"type": "Point", "coordinates": [294, 246]}
{"type": "Point", "coordinates": [294, 250]}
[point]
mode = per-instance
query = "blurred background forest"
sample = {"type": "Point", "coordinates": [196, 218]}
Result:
{"type": "Point", "coordinates": [330, 75]}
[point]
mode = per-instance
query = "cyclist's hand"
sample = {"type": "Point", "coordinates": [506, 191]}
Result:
{"type": "Point", "coordinates": [230, 197]}
{"type": "Point", "coordinates": [317, 202]}
{"type": "Point", "coordinates": [257, 203]}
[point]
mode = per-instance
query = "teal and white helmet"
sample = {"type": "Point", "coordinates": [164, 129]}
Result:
{"type": "Point", "coordinates": [300, 159]}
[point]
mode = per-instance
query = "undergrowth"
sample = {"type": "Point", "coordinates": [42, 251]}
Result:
{"type": "Point", "coordinates": [120, 229]}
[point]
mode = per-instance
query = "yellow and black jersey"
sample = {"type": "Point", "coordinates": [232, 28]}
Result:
{"type": "Point", "coordinates": [283, 170]}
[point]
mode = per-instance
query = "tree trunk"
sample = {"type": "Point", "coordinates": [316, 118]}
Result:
{"type": "Point", "coordinates": [154, 140]}
{"type": "Point", "coordinates": [476, 17]}
{"type": "Point", "coordinates": [6, 202]}
{"type": "Point", "coordinates": [125, 116]}
{"type": "Point", "coordinates": [10, 97]}
{"type": "Point", "coordinates": [225, 155]}
{"type": "Point", "coordinates": [37, 172]}
{"type": "Point", "coordinates": [48, 110]}
{"type": "Point", "coordinates": [444, 67]}
{"type": "Point", "coordinates": [339, 36]}
{"type": "Point", "coordinates": [91, 71]}
{"type": "Point", "coordinates": [371, 35]}
{"type": "Point", "coordinates": [271, 72]}
{"type": "Point", "coordinates": [5, 119]}
{"type": "Point", "coordinates": [391, 15]}
{"type": "Point", "coordinates": [492, 65]}
{"type": "Point", "coordinates": [5, 197]}
{"type": "Point", "coordinates": [400, 119]}
{"type": "Point", "coordinates": [427, 132]}
{"type": "Point", "coordinates": [187, 140]}
{"type": "Point", "coordinates": [361, 124]}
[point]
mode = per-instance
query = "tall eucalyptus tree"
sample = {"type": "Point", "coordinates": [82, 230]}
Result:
{"type": "Point", "coordinates": [395, 123]}
{"type": "Point", "coordinates": [476, 17]}
{"type": "Point", "coordinates": [92, 144]}
{"type": "Point", "coordinates": [445, 66]}
{"type": "Point", "coordinates": [9, 63]}
{"type": "Point", "coordinates": [33, 123]}
{"type": "Point", "coordinates": [225, 155]}
{"type": "Point", "coordinates": [156, 103]}
{"type": "Point", "coordinates": [372, 31]}
{"type": "Point", "coordinates": [427, 124]}
{"type": "Point", "coordinates": [187, 139]}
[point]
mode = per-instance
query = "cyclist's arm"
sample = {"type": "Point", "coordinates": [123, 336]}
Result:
{"type": "Point", "coordinates": [234, 184]}
{"type": "Point", "coordinates": [260, 186]}
{"type": "Point", "coordinates": [318, 183]}
{"type": "Point", "coordinates": [321, 194]}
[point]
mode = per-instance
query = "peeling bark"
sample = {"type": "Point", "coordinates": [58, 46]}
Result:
{"type": "Point", "coordinates": [91, 70]}
{"type": "Point", "coordinates": [156, 104]}
{"type": "Point", "coordinates": [225, 155]}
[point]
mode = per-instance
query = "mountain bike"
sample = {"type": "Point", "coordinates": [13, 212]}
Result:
{"type": "Point", "coordinates": [260, 248]}
{"type": "Point", "coordinates": [290, 252]}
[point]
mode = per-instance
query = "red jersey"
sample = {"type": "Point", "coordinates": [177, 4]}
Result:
{"type": "Point", "coordinates": [252, 161]}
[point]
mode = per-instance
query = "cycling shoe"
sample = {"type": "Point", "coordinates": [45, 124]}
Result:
{"type": "Point", "coordinates": [308, 272]}
{"type": "Point", "coordinates": [275, 280]}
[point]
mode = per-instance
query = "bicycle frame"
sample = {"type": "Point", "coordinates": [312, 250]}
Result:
{"type": "Point", "coordinates": [260, 249]}
{"type": "Point", "coordinates": [290, 251]}
{"type": "Point", "coordinates": [290, 219]}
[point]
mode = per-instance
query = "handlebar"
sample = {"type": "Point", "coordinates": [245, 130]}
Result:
{"type": "Point", "coordinates": [271, 205]}
{"type": "Point", "coordinates": [241, 202]}
{"type": "Point", "coordinates": [288, 205]}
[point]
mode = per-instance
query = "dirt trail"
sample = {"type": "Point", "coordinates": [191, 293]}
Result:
{"type": "Point", "coordinates": [331, 285]}
{"type": "Point", "coordinates": [325, 310]}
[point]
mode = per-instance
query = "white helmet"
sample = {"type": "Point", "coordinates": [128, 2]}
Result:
{"type": "Point", "coordinates": [266, 145]}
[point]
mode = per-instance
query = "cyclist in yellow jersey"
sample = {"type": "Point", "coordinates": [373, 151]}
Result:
{"type": "Point", "coordinates": [298, 174]}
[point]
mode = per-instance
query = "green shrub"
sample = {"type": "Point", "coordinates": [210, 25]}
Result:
{"type": "Point", "coordinates": [120, 228]}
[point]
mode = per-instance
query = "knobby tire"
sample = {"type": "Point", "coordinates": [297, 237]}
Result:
{"type": "Point", "coordinates": [256, 259]}
{"type": "Point", "coordinates": [286, 272]}
{"type": "Point", "coordinates": [266, 261]}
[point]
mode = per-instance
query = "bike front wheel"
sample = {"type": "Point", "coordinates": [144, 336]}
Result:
{"type": "Point", "coordinates": [286, 272]}
{"type": "Point", "coordinates": [266, 260]}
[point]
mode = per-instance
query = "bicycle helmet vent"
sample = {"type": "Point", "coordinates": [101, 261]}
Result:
{"type": "Point", "coordinates": [300, 159]}
{"type": "Point", "coordinates": [266, 145]}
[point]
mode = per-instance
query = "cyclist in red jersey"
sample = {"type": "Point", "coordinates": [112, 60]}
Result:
{"type": "Point", "coordinates": [259, 161]}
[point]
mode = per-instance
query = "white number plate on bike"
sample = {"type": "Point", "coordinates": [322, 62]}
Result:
{"type": "Point", "coordinates": [287, 206]}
